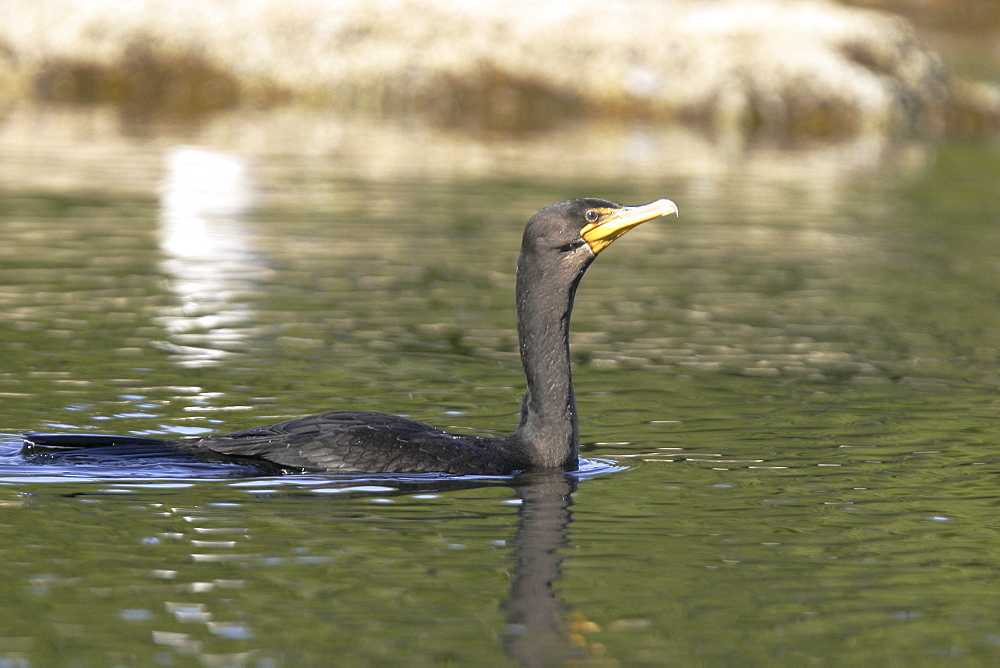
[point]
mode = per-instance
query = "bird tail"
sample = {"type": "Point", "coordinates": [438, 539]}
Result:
{"type": "Point", "coordinates": [35, 442]}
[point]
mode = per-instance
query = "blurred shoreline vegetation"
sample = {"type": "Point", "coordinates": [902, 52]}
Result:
{"type": "Point", "coordinates": [787, 69]}
{"type": "Point", "coordinates": [966, 16]}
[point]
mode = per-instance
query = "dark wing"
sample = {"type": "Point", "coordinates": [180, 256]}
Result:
{"type": "Point", "coordinates": [354, 441]}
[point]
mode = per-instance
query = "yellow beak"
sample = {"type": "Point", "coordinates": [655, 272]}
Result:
{"type": "Point", "coordinates": [615, 222]}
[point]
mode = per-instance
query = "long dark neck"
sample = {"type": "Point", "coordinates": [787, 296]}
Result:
{"type": "Point", "coordinates": [548, 431]}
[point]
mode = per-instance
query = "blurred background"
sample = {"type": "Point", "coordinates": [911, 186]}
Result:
{"type": "Point", "coordinates": [230, 136]}
{"type": "Point", "coordinates": [445, 87]}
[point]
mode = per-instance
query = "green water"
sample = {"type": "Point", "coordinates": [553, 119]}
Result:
{"type": "Point", "coordinates": [791, 394]}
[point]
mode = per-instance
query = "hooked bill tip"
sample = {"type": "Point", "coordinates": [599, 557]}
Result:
{"type": "Point", "coordinates": [665, 207]}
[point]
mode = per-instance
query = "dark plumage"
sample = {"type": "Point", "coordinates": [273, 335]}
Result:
{"type": "Point", "coordinates": [559, 243]}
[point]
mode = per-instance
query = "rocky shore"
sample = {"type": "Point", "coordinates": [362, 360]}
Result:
{"type": "Point", "coordinates": [778, 68]}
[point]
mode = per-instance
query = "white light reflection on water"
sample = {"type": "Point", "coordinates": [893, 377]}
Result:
{"type": "Point", "coordinates": [209, 254]}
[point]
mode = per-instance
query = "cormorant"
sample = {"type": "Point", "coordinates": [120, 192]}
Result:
{"type": "Point", "coordinates": [559, 243]}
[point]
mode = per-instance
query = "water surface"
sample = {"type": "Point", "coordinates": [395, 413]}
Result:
{"type": "Point", "coordinates": [789, 395]}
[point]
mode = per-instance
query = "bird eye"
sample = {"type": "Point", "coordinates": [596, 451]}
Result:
{"type": "Point", "coordinates": [590, 216]}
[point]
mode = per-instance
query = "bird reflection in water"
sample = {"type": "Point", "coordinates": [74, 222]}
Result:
{"type": "Point", "coordinates": [536, 625]}
{"type": "Point", "coordinates": [537, 632]}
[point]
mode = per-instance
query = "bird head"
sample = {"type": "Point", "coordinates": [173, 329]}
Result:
{"type": "Point", "coordinates": [572, 225]}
